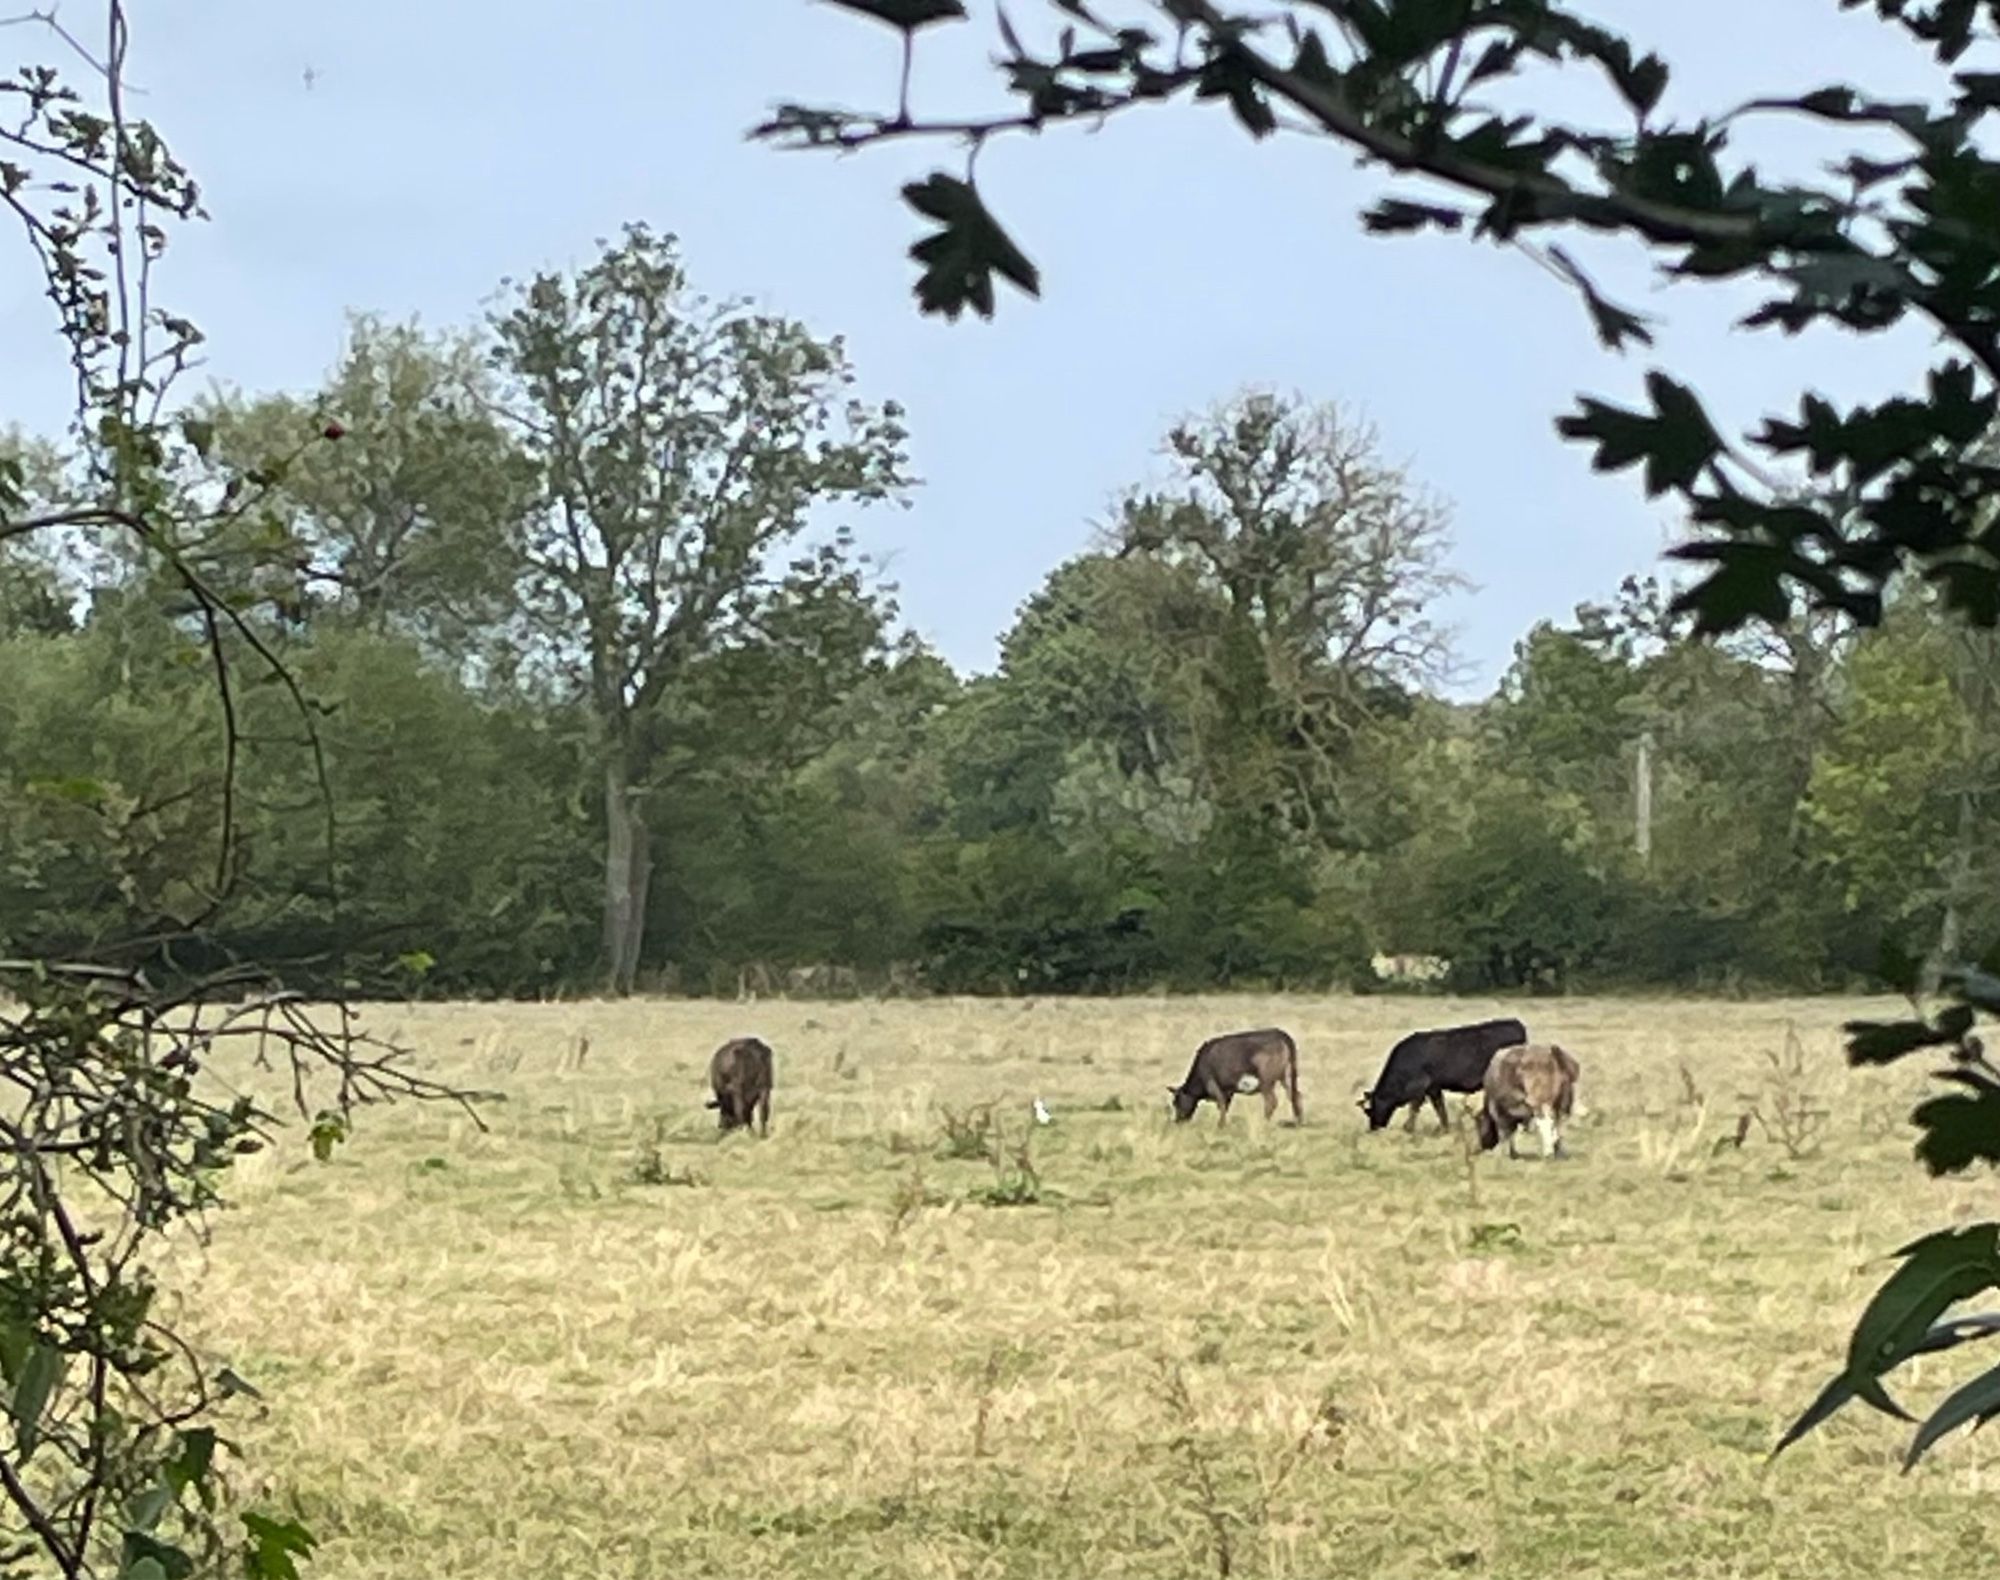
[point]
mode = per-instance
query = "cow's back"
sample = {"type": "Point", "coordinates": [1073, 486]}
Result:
{"type": "Point", "coordinates": [742, 1064]}
{"type": "Point", "coordinates": [1534, 1077]}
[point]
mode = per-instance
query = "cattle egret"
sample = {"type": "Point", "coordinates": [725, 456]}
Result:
{"type": "Point", "coordinates": [1042, 1114]}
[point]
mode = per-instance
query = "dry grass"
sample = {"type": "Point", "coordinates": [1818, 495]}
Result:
{"type": "Point", "coordinates": [1263, 1350]}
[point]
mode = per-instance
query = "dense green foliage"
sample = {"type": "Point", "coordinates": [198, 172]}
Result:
{"type": "Point", "coordinates": [1213, 753]}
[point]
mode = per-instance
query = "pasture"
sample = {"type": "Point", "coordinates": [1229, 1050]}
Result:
{"type": "Point", "coordinates": [599, 1340]}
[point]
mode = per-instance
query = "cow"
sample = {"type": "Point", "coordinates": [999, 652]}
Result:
{"type": "Point", "coordinates": [740, 1073]}
{"type": "Point", "coordinates": [1427, 1064]}
{"type": "Point", "coordinates": [1528, 1084]}
{"type": "Point", "coordinates": [1223, 1063]}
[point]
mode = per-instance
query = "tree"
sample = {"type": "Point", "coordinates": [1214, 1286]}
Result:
{"type": "Point", "coordinates": [1323, 563]}
{"type": "Point", "coordinates": [681, 444]}
{"type": "Point", "coordinates": [411, 522]}
{"type": "Point", "coordinates": [113, 1131]}
{"type": "Point", "coordinates": [1824, 509]}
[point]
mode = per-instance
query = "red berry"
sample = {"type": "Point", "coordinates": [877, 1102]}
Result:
{"type": "Point", "coordinates": [334, 430]}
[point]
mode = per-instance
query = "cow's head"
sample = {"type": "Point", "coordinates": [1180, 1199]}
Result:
{"type": "Point", "coordinates": [1186, 1100]}
{"type": "Point", "coordinates": [1378, 1109]}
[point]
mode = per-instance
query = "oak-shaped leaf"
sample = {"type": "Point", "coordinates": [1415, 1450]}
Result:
{"type": "Point", "coordinates": [961, 257]}
{"type": "Point", "coordinates": [1959, 1130]}
{"type": "Point", "coordinates": [1748, 583]}
{"type": "Point", "coordinates": [1675, 441]}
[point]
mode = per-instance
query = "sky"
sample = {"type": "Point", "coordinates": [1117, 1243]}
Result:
{"type": "Point", "coordinates": [403, 159]}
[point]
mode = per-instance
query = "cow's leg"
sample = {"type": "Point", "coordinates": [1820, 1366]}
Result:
{"type": "Point", "coordinates": [1270, 1096]}
{"type": "Point", "coordinates": [1437, 1102]}
{"type": "Point", "coordinates": [764, 1115]}
{"type": "Point", "coordinates": [1545, 1131]}
{"type": "Point", "coordinates": [1416, 1108]}
{"type": "Point", "coordinates": [1222, 1106]}
{"type": "Point", "coordinates": [1512, 1132]}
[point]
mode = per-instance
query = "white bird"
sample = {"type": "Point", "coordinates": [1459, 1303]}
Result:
{"type": "Point", "coordinates": [1042, 1114]}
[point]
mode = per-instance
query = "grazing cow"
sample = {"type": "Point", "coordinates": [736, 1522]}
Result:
{"type": "Point", "coordinates": [1427, 1064]}
{"type": "Point", "coordinates": [1528, 1084]}
{"type": "Point", "coordinates": [1223, 1063]}
{"type": "Point", "coordinates": [740, 1073]}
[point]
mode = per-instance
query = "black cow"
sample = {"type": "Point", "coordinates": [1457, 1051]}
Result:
{"type": "Point", "coordinates": [1427, 1064]}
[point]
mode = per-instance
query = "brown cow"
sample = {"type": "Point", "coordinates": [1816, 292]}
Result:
{"type": "Point", "coordinates": [1222, 1063]}
{"type": "Point", "coordinates": [1528, 1083]}
{"type": "Point", "coordinates": [740, 1073]}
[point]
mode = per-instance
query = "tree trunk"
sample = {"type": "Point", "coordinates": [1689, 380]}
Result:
{"type": "Point", "coordinates": [628, 874]}
{"type": "Point", "coordinates": [1958, 888]}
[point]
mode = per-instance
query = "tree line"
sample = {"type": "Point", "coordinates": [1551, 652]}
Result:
{"type": "Point", "coordinates": [605, 692]}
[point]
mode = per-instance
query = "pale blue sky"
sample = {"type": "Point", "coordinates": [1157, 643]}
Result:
{"type": "Point", "coordinates": [446, 144]}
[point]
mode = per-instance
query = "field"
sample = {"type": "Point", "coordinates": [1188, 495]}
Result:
{"type": "Point", "coordinates": [598, 1340]}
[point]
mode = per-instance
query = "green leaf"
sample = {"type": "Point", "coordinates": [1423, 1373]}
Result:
{"type": "Point", "coordinates": [1938, 1272]}
{"type": "Point", "coordinates": [144, 1511]}
{"type": "Point", "coordinates": [1944, 1336]}
{"type": "Point", "coordinates": [273, 1547]}
{"type": "Point", "coordinates": [144, 1569]}
{"type": "Point", "coordinates": [329, 1129]}
{"type": "Point", "coordinates": [41, 1374]}
{"type": "Point", "coordinates": [1978, 1400]}
{"type": "Point", "coordinates": [969, 248]}
{"type": "Point", "coordinates": [192, 1460]}
{"type": "Point", "coordinates": [17, 1338]}
{"type": "Point", "coordinates": [167, 1560]}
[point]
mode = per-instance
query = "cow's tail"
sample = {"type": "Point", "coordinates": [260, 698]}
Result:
{"type": "Point", "coordinates": [1292, 1080]}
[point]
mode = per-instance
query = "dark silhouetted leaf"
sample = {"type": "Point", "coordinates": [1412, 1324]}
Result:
{"type": "Point", "coordinates": [1886, 1041]}
{"type": "Point", "coordinates": [969, 248]}
{"type": "Point", "coordinates": [1676, 441]}
{"type": "Point", "coordinates": [1938, 1272]}
{"type": "Point", "coordinates": [1394, 215]}
{"type": "Point", "coordinates": [1747, 584]}
{"type": "Point", "coordinates": [907, 15]}
{"type": "Point", "coordinates": [1978, 1400]}
{"type": "Point", "coordinates": [1944, 1336]}
{"type": "Point", "coordinates": [1959, 1130]}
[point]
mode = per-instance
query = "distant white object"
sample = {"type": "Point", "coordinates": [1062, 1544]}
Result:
{"type": "Point", "coordinates": [1042, 1114]}
{"type": "Point", "coordinates": [1410, 968]}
